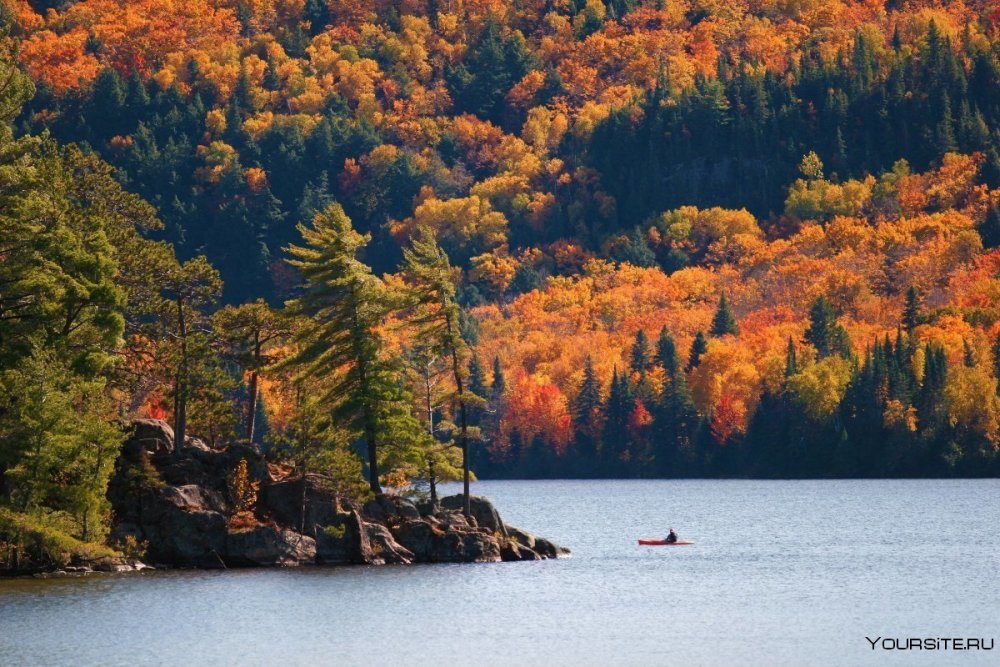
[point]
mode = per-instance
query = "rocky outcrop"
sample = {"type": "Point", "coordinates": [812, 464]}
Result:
{"type": "Point", "coordinates": [269, 545]}
{"type": "Point", "coordinates": [176, 502]}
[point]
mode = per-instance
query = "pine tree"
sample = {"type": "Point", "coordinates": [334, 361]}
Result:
{"type": "Point", "coordinates": [699, 346]}
{"type": "Point", "coordinates": [724, 322]}
{"type": "Point", "coordinates": [666, 354]}
{"type": "Point", "coordinates": [996, 359]}
{"type": "Point", "coordinates": [968, 354]}
{"type": "Point", "coordinates": [911, 311]}
{"type": "Point", "coordinates": [343, 307]}
{"type": "Point", "coordinates": [431, 283]}
{"type": "Point", "coordinates": [477, 376]}
{"type": "Point", "coordinates": [499, 386]}
{"type": "Point", "coordinates": [791, 363]}
{"type": "Point", "coordinates": [824, 332]}
{"type": "Point", "coordinates": [675, 421]}
{"type": "Point", "coordinates": [189, 289]}
{"type": "Point", "coordinates": [617, 410]}
{"type": "Point", "coordinates": [248, 330]}
{"type": "Point", "coordinates": [990, 228]}
{"type": "Point", "coordinates": [639, 358]}
{"type": "Point", "coordinates": [586, 412]}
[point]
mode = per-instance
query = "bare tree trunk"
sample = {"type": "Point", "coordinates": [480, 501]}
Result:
{"type": "Point", "coordinates": [463, 419]}
{"type": "Point", "coordinates": [180, 394]}
{"type": "Point", "coordinates": [367, 407]}
{"type": "Point", "coordinates": [431, 472]}
{"type": "Point", "coordinates": [251, 423]}
{"type": "Point", "coordinates": [302, 508]}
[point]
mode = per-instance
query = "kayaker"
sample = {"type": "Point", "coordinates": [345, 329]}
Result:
{"type": "Point", "coordinates": [672, 537]}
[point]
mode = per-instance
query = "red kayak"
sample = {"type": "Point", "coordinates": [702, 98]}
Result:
{"type": "Point", "coordinates": [660, 542]}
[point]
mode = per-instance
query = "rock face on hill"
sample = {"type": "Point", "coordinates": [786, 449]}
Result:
{"type": "Point", "coordinates": [177, 502]}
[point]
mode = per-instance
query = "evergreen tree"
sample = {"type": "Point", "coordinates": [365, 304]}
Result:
{"type": "Point", "coordinates": [990, 228]}
{"type": "Point", "coordinates": [499, 386]}
{"type": "Point", "coordinates": [248, 330]}
{"type": "Point", "coordinates": [824, 332]}
{"type": "Point", "coordinates": [432, 286]}
{"type": "Point", "coordinates": [699, 346]}
{"type": "Point", "coordinates": [639, 358]}
{"type": "Point", "coordinates": [675, 422]}
{"type": "Point", "coordinates": [343, 306]}
{"type": "Point", "coordinates": [477, 376]}
{"type": "Point", "coordinates": [188, 289]}
{"type": "Point", "coordinates": [968, 354]}
{"type": "Point", "coordinates": [724, 322]}
{"type": "Point", "coordinates": [666, 354]}
{"type": "Point", "coordinates": [911, 311]}
{"type": "Point", "coordinates": [791, 363]}
{"type": "Point", "coordinates": [586, 412]}
{"type": "Point", "coordinates": [617, 410]}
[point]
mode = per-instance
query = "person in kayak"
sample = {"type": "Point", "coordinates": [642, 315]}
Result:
{"type": "Point", "coordinates": [672, 537]}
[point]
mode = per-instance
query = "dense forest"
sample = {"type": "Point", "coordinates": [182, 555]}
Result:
{"type": "Point", "coordinates": [394, 241]}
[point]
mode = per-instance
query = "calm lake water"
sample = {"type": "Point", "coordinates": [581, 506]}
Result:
{"type": "Point", "coordinates": [783, 573]}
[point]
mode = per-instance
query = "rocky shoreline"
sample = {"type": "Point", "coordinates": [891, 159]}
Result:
{"type": "Point", "coordinates": [174, 508]}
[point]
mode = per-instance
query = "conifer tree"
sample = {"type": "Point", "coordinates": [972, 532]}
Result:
{"type": "Point", "coordinates": [432, 285]}
{"type": "Point", "coordinates": [724, 322]}
{"type": "Point", "coordinates": [699, 346]}
{"type": "Point", "coordinates": [344, 306]}
{"type": "Point", "coordinates": [249, 329]}
{"type": "Point", "coordinates": [791, 363]}
{"type": "Point", "coordinates": [666, 353]}
{"type": "Point", "coordinates": [188, 289]}
{"type": "Point", "coordinates": [639, 358]}
{"type": "Point", "coordinates": [618, 408]}
{"type": "Point", "coordinates": [824, 332]}
{"type": "Point", "coordinates": [911, 311]}
{"type": "Point", "coordinates": [586, 412]}
{"type": "Point", "coordinates": [499, 386]}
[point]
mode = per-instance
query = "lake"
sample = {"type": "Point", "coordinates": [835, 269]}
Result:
{"type": "Point", "coordinates": [782, 573]}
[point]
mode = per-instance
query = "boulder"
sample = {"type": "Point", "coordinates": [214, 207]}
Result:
{"type": "Point", "coordinates": [192, 497]}
{"type": "Point", "coordinates": [547, 549]}
{"type": "Point", "coordinates": [522, 537]}
{"type": "Point", "coordinates": [282, 501]}
{"type": "Point", "coordinates": [187, 538]}
{"type": "Point", "coordinates": [149, 436]}
{"type": "Point", "coordinates": [344, 541]}
{"type": "Point", "coordinates": [385, 508]}
{"type": "Point", "coordinates": [482, 511]}
{"type": "Point", "coordinates": [385, 548]}
{"type": "Point", "coordinates": [480, 548]}
{"type": "Point", "coordinates": [511, 550]}
{"type": "Point", "coordinates": [269, 545]}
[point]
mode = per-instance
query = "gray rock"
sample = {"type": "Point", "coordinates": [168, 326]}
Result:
{"type": "Point", "coordinates": [547, 549]}
{"type": "Point", "coordinates": [149, 436]}
{"type": "Point", "coordinates": [385, 548]}
{"type": "Point", "coordinates": [268, 545]}
{"type": "Point", "coordinates": [282, 501]}
{"type": "Point", "coordinates": [482, 510]}
{"type": "Point", "coordinates": [512, 551]}
{"type": "Point", "coordinates": [344, 541]}
{"type": "Point", "coordinates": [522, 537]}
{"type": "Point", "coordinates": [192, 497]}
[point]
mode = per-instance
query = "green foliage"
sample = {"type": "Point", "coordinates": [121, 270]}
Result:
{"type": "Point", "coordinates": [724, 322]}
{"type": "Point", "coordinates": [30, 543]}
{"type": "Point", "coordinates": [699, 346]}
{"type": "Point", "coordinates": [342, 308]}
{"type": "Point", "coordinates": [825, 333]}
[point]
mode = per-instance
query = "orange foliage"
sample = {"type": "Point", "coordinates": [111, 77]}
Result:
{"type": "Point", "coordinates": [536, 408]}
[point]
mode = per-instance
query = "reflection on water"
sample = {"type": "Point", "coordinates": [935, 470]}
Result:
{"type": "Point", "coordinates": [782, 573]}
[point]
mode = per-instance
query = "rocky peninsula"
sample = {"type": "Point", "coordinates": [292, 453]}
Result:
{"type": "Point", "coordinates": [174, 504]}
